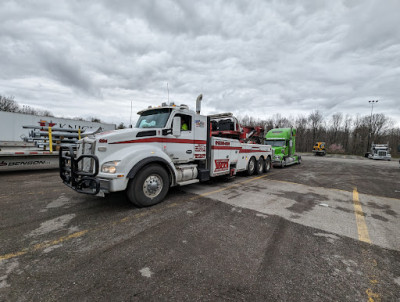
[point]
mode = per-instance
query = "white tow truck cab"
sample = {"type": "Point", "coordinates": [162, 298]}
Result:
{"type": "Point", "coordinates": [170, 146]}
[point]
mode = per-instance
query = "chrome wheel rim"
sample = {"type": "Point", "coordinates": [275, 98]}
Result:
{"type": "Point", "coordinates": [152, 186]}
{"type": "Point", "coordinates": [251, 165]}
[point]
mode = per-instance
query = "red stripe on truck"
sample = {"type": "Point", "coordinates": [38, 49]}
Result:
{"type": "Point", "coordinates": [225, 148]}
{"type": "Point", "coordinates": [250, 151]}
{"type": "Point", "coordinates": [162, 140]}
{"type": "Point", "coordinates": [241, 150]}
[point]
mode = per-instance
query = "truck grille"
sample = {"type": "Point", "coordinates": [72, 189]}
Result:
{"type": "Point", "coordinates": [382, 153]}
{"type": "Point", "coordinates": [87, 164]}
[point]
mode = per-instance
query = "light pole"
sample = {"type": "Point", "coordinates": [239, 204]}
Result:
{"type": "Point", "coordinates": [370, 122]}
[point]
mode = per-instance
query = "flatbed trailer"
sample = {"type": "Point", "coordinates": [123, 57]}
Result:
{"type": "Point", "coordinates": [28, 160]}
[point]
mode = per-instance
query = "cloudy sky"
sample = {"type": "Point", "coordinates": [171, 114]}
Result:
{"type": "Point", "coordinates": [260, 58]}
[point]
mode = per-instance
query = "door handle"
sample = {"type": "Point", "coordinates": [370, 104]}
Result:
{"type": "Point", "coordinates": [189, 151]}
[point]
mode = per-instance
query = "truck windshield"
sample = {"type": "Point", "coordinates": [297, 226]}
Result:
{"type": "Point", "coordinates": [156, 118]}
{"type": "Point", "coordinates": [275, 143]}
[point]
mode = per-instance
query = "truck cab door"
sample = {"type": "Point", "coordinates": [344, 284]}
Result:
{"type": "Point", "coordinates": [181, 148]}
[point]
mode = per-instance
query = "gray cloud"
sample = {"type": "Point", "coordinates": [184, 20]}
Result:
{"type": "Point", "coordinates": [257, 58]}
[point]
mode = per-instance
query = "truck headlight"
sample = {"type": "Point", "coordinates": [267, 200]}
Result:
{"type": "Point", "coordinates": [110, 167]}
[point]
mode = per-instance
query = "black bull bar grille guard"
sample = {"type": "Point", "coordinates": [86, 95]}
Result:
{"type": "Point", "coordinates": [79, 180]}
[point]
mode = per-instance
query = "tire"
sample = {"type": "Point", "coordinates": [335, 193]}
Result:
{"type": "Point", "coordinates": [251, 166]}
{"type": "Point", "coordinates": [299, 159]}
{"type": "Point", "coordinates": [260, 166]}
{"type": "Point", "coordinates": [148, 187]}
{"type": "Point", "coordinates": [283, 163]}
{"type": "Point", "coordinates": [267, 164]}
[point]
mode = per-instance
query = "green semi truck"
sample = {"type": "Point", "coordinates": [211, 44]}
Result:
{"type": "Point", "coordinates": [283, 142]}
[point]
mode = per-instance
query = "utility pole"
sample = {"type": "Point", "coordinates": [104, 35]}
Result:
{"type": "Point", "coordinates": [370, 122]}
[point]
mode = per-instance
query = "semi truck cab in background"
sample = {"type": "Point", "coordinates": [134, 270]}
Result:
{"type": "Point", "coordinates": [380, 151]}
{"type": "Point", "coordinates": [283, 142]}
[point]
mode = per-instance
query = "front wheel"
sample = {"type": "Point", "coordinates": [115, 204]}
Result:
{"type": "Point", "coordinates": [260, 166]}
{"type": "Point", "coordinates": [149, 186]}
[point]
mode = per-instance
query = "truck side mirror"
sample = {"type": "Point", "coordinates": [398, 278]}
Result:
{"type": "Point", "coordinates": [290, 143]}
{"type": "Point", "coordinates": [176, 126]}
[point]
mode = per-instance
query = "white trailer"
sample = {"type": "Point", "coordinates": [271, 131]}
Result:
{"type": "Point", "coordinates": [157, 154]}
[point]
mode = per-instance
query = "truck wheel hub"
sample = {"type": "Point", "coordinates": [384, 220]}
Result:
{"type": "Point", "coordinates": [152, 186]}
{"type": "Point", "coordinates": [251, 165]}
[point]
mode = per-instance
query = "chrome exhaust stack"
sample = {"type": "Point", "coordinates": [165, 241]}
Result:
{"type": "Point", "coordinates": [198, 103]}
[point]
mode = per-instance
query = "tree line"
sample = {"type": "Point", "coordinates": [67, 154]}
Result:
{"type": "Point", "coordinates": [8, 104]}
{"type": "Point", "coordinates": [344, 134]}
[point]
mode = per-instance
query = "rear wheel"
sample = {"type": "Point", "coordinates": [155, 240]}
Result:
{"type": "Point", "coordinates": [260, 166]}
{"type": "Point", "coordinates": [149, 186]}
{"type": "Point", "coordinates": [251, 166]}
{"type": "Point", "coordinates": [267, 164]}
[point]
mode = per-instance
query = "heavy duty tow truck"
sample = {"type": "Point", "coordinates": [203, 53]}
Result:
{"type": "Point", "coordinates": [283, 142]}
{"type": "Point", "coordinates": [157, 154]}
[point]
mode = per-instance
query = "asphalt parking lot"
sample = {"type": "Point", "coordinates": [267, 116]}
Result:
{"type": "Point", "coordinates": [325, 230]}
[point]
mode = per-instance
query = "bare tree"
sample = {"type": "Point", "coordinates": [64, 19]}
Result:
{"type": "Point", "coordinates": [121, 126]}
{"type": "Point", "coordinates": [379, 124]}
{"type": "Point", "coordinates": [336, 124]}
{"type": "Point", "coordinates": [95, 120]}
{"type": "Point", "coordinates": [303, 143]}
{"type": "Point", "coordinates": [346, 132]}
{"type": "Point", "coordinates": [280, 121]}
{"type": "Point", "coordinates": [46, 113]}
{"type": "Point", "coordinates": [28, 110]}
{"type": "Point", "coordinates": [315, 119]}
{"type": "Point", "coordinates": [8, 104]}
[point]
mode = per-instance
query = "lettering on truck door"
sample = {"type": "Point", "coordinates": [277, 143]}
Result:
{"type": "Point", "coordinates": [200, 137]}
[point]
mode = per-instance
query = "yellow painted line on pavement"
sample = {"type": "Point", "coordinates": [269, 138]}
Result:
{"type": "Point", "coordinates": [332, 189]}
{"type": "Point", "coordinates": [13, 255]}
{"type": "Point", "coordinates": [46, 244]}
{"type": "Point", "coordinates": [363, 235]}
{"type": "Point", "coordinates": [43, 245]}
{"type": "Point", "coordinates": [361, 224]}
